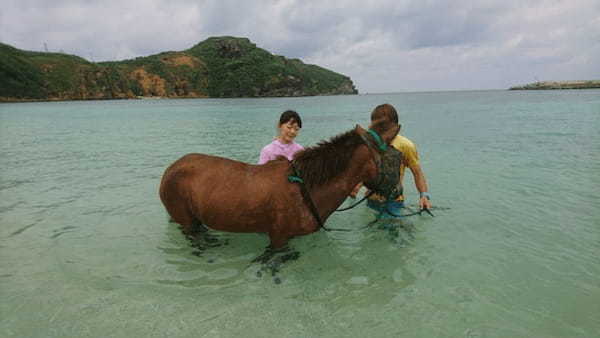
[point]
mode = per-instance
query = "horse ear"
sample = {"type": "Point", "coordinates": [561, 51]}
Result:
{"type": "Point", "coordinates": [360, 130]}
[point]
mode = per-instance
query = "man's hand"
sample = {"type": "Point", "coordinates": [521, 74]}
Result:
{"type": "Point", "coordinates": [354, 191]}
{"type": "Point", "coordinates": [424, 203]}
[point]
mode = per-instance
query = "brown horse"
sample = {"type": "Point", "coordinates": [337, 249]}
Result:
{"type": "Point", "coordinates": [232, 196]}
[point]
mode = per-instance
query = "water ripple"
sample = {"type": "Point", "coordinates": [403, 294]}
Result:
{"type": "Point", "coordinates": [21, 230]}
{"type": "Point", "coordinates": [84, 227]}
{"type": "Point", "coordinates": [5, 185]}
{"type": "Point", "coordinates": [59, 232]}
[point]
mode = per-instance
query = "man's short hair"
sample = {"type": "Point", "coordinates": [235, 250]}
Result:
{"type": "Point", "coordinates": [385, 112]}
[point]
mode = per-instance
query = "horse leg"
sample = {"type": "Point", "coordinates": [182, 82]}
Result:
{"type": "Point", "coordinates": [278, 244]}
{"type": "Point", "coordinates": [202, 239]}
{"type": "Point", "coordinates": [277, 253]}
{"type": "Point", "coordinates": [193, 229]}
{"type": "Point", "coordinates": [281, 242]}
{"type": "Point", "coordinates": [266, 256]}
{"type": "Point", "coordinates": [210, 239]}
{"type": "Point", "coordinates": [181, 215]}
{"type": "Point", "coordinates": [189, 224]}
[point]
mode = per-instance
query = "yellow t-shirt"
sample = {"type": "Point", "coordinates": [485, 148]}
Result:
{"type": "Point", "coordinates": [410, 157]}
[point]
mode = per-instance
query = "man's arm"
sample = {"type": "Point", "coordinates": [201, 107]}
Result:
{"type": "Point", "coordinates": [421, 185]}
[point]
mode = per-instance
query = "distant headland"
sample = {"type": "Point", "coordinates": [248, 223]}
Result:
{"type": "Point", "coordinates": [217, 67]}
{"type": "Point", "coordinates": [559, 85]}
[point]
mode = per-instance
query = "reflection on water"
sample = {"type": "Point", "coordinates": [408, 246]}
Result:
{"type": "Point", "coordinates": [226, 260]}
{"type": "Point", "coordinates": [220, 264]}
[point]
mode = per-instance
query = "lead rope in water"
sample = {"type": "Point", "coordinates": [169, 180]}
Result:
{"type": "Point", "coordinates": [414, 213]}
{"type": "Point", "coordinates": [357, 203]}
{"type": "Point", "coordinates": [377, 218]}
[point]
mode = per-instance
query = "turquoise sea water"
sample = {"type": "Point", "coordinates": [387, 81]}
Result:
{"type": "Point", "coordinates": [86, 249]}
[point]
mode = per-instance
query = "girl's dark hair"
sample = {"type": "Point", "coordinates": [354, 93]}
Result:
{"type": "Point", "coordinates": [290, 115]}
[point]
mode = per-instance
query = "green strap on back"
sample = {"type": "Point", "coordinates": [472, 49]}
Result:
{"type": "Point", "coordinates": [382, 146]}
{"type": "Point", "coordinates": [295, 179]}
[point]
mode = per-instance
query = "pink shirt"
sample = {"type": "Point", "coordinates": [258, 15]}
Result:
{"type": "Point", "coordinates": [277, 148]}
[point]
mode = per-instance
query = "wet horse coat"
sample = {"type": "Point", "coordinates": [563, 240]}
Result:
{"type": "Point", "coordinates": [233, 196]}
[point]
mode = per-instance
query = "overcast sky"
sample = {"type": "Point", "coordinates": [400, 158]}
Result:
{"type": "Point", "coordinates": [384, 46]}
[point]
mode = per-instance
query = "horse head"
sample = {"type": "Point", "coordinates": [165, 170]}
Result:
{"type": "Point", "coordinates": [385, 159]}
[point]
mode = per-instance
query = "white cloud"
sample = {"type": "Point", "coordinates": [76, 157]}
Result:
{"type": "Point", "coordinates": [383, 45]}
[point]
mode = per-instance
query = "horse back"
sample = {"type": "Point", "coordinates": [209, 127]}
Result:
{"type": "Point", "coordinates": [216, 172]}
{"type": "Point", "coordinates": [225, 194]}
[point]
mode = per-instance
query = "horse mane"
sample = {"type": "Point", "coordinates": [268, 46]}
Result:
{"type": "Point", "coordinates": [318, 164]}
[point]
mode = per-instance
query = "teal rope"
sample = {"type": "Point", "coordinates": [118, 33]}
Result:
{"type": "Point", "coordinates": [295, 179]}
{"type": "Point", "coordinates": [382, 146]}
{"type": "Point", "coordinates": [305, 195]}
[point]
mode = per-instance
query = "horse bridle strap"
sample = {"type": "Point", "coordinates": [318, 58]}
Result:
{"type": "Point", "coordinates": [380, 144]}
{"type": "Point", "coordinates": [295, 178]}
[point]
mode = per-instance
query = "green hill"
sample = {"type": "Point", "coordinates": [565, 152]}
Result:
{"type": "Point", "coordinates": [216, 67]}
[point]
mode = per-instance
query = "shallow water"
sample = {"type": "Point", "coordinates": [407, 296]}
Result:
{"type": "Point", "coordinates": [86, 248]}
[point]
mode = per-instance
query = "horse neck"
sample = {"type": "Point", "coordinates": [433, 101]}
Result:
{"type": "Point", "coordinates": [331, 195]}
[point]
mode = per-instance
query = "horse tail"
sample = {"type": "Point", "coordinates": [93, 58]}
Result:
{"type": "Point", "coordinates": [175, 197]}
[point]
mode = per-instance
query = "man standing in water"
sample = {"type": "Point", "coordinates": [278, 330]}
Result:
{"type": "Point", "coordinates": [410, 159]}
